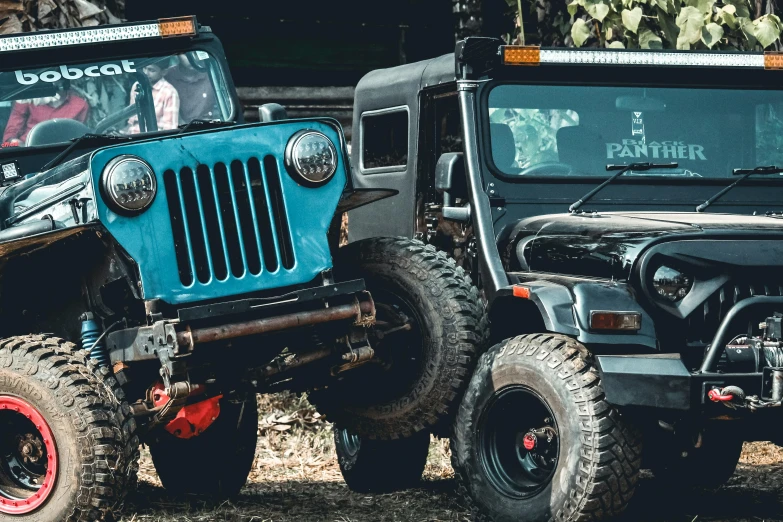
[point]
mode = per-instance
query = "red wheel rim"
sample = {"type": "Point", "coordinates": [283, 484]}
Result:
{"type": "Point", "coordinates": [25, 416]}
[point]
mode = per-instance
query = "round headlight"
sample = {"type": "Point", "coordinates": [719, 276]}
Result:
{"type": "Point", "coordinates": [672, 284]}
{"type": "Point", "coordinates": [311, 158]}
{"type": "Point", "coordinates": [129, 185]}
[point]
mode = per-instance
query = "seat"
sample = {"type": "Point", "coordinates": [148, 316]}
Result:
{"type": "Point", "coordinates": [55, 131]}
{"type": "Point", "coordinates": [504, 147]}
{"type": "Point", "coordinates": [583, 148]}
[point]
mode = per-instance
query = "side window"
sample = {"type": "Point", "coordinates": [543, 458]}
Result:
{"type": "Point", "coordinates": [449, 133]}
{"type": "Point", "coordinates": [385, 139]}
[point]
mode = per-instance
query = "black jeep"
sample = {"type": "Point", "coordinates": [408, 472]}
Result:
{"type": "Point", "coordinates": [621, 214]}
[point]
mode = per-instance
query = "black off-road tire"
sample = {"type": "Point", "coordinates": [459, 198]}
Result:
{"type": "Point", "coordinates": [708, 466]}
{"type": "Point", "coordinates": [421, 390]}
{"type": "Point", "coordinates": [381, 466]}
{"type": "Point", "coordinates": [89, 429]}
{"type": "Point", "coordinates": [214, 464]}
{"type": "Point", "coordinates": [596, 465]}
{"type": "Point", "coordinates": [111, 391]}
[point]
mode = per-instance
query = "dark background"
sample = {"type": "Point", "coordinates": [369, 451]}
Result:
{"type": "Point", "coordinates": [308, 55]}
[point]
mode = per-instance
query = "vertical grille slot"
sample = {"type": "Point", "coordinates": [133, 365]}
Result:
{"type": "Point", "coordinates": [278, 209]}
{"type": "Point", "coordinates": [261, 207]}
{"type": "Point", "coordinates": [228, 214]}
{"type": "Point", "coordinates": [195, 226]}
{"type": "Point", "coordinates": [178, 227]}
{"type": "Point", "coordinates": [702, 324]}
{"type": "Point", "coordinates": [212, 222]}
{"type": "Point", "coordinates": [239, 178]}
{"type": "Point", "coordinates": [228, 220]}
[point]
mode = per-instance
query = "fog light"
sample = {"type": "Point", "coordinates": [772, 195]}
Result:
{"type": "Point", "coordinates": [600, 320]}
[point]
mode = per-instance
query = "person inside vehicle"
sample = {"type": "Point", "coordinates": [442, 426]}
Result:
{"type": "Point", "coordinates": [26, 114]}
{"type": "Point", "coordinates": [164, 95]}
{"type": "Point", "coordinates": [197, 95]}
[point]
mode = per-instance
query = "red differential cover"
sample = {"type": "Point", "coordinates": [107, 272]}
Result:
{"type": "Point", "coordinates": [191, 420]}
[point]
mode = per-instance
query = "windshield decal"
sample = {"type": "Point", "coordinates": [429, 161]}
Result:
{"type": "Point", "coordinates": [637, 125]}
{"type": "Point", "coordinates": [74, 73]}
{"type": "Point", "coordinates": [656, 150]}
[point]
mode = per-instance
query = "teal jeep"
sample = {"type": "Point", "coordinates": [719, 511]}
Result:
{"type": "Point", "coordinates": [162, 262]}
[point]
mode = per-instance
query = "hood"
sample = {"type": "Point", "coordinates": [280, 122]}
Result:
{"type": "Point", "coordinates": [606, 245]}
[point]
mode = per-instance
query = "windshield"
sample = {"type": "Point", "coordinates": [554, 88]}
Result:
{"type": "Point", "coordinates": [551, 131]}
{"type": "Point", "coordinates": [42, 106]}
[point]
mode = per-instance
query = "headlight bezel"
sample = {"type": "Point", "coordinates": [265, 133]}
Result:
{"type": "Point", "coordinates": [295, 169]}
{"type": "Point", "coordinates": [107, 187]}
{"type": "Point", "coordinates": [681, 288]}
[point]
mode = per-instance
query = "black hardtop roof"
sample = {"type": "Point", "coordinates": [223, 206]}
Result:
{"type": "Point", "coordinates": [398, 86]}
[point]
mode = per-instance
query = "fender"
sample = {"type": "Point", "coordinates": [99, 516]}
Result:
{"type": "Point", "coordinates": [565, 304]}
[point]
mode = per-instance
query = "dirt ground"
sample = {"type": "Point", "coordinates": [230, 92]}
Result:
{"type": "Point", "coordinates": [296, 478]}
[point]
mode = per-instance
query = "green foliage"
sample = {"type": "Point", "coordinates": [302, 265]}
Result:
{"type": "Point", "coordinates": [658, 24]}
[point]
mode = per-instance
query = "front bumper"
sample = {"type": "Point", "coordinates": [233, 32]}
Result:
{"type": "Point", "coordinates": [222, 321]}
{"type": "Point", "coordinates": [663, 381]}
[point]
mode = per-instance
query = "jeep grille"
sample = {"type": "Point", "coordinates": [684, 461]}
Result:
{"type": "Point", "coordinates": [704, 321]}
{"type": "Point", "coordinates": [228, 219]}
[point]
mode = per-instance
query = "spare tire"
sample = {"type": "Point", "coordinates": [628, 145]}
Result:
{"type": "Point", "coordinates": [431, 327]}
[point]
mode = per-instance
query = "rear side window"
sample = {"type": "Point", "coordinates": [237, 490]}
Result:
{"type": "Point", "coordinates": [385, 140]}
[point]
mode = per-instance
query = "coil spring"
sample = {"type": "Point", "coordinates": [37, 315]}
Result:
{"type": "Point", "coordinates": [91, 333]}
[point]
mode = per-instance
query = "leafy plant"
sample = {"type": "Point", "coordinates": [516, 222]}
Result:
{"type": "Point", "coordinates": [657, 24]}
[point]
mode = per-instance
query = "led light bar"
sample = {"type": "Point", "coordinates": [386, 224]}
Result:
{"type": "Point", "coordinates": [184, 26]}
{"type": "Point", "coordinates": [527, 55]}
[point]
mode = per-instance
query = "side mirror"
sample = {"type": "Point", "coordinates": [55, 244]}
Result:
{"type": "Point", "coordinates": [272, 112]}
{"type": "Point", "coordinates": [450, 181]}
{"type": "Point", "coordinates": [449, 172]}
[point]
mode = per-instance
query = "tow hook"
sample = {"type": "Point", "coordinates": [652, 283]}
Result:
{"type": "Point", "coordinates": [720, 395]}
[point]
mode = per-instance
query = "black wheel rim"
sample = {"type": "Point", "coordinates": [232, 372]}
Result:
{"type": "Point", "coordinates": [518, 442]}
{"type": "Point", "coordinates": [350, 442]}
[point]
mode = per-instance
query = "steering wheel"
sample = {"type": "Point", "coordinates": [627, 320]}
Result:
{"type": "Point", "coordinates": [552, 168]}
{"type": "Point", "coordinates": [113, 119]}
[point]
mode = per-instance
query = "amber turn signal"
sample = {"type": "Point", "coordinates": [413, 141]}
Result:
{"type": "Point", "coordinates": [522, 292]}
{"type": "Point", "coordinates": [521, 55]}
{"type": "Point", "coordinates": [182, 26]}
{"type": "Point", "coordinates": [600, 320]}
{"type": "Point", "coordinates": [773, 60]}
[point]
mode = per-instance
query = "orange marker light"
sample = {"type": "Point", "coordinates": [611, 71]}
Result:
{"type": "Point", "coordinates": [521, 55]}
{"type": "Point", "coordinates": [182, 26]}
{"type": "Point", "coordinates": [773, 60]}
{"type": "Point", "coordinates": [522, 292]}
{"type": "Point", "coordinates": [615, 320]}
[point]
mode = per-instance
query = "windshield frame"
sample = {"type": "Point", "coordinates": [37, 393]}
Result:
{"type": "Point", "coordinates": [123, 50]}
{"type": "Point", "coordinates": [557, 79]}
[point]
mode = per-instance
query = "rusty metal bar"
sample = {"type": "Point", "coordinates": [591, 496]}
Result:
{"type": "Point", "coordinates": [356, 310]}
{"type": "Point", "coordinates": [297, 361]}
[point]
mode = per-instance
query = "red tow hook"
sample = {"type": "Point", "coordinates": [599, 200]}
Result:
{"type": "Point", "coordinates": [717, 395]}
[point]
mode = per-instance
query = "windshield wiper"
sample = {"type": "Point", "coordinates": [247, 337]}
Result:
{"type": "Point", "coordinates": [203, 124]}
{"type": "Point", "coordinates": [622, 169]}
{"type": "Point", "coordinates": [76, 142]}
{"type": "Point", "coordinates": [745, 173]}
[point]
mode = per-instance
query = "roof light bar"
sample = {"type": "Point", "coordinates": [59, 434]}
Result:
{"type": "Point", "coordinates": [184, 26]}
{"type": "Point", "coordinates": [527, 55]}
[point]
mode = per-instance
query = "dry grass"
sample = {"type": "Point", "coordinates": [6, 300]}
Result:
{"type": "Point", "coordinates": [296, 478]}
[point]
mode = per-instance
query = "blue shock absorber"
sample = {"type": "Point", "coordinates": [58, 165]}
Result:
{"type": "Point", "coordinates": [90, 333]}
